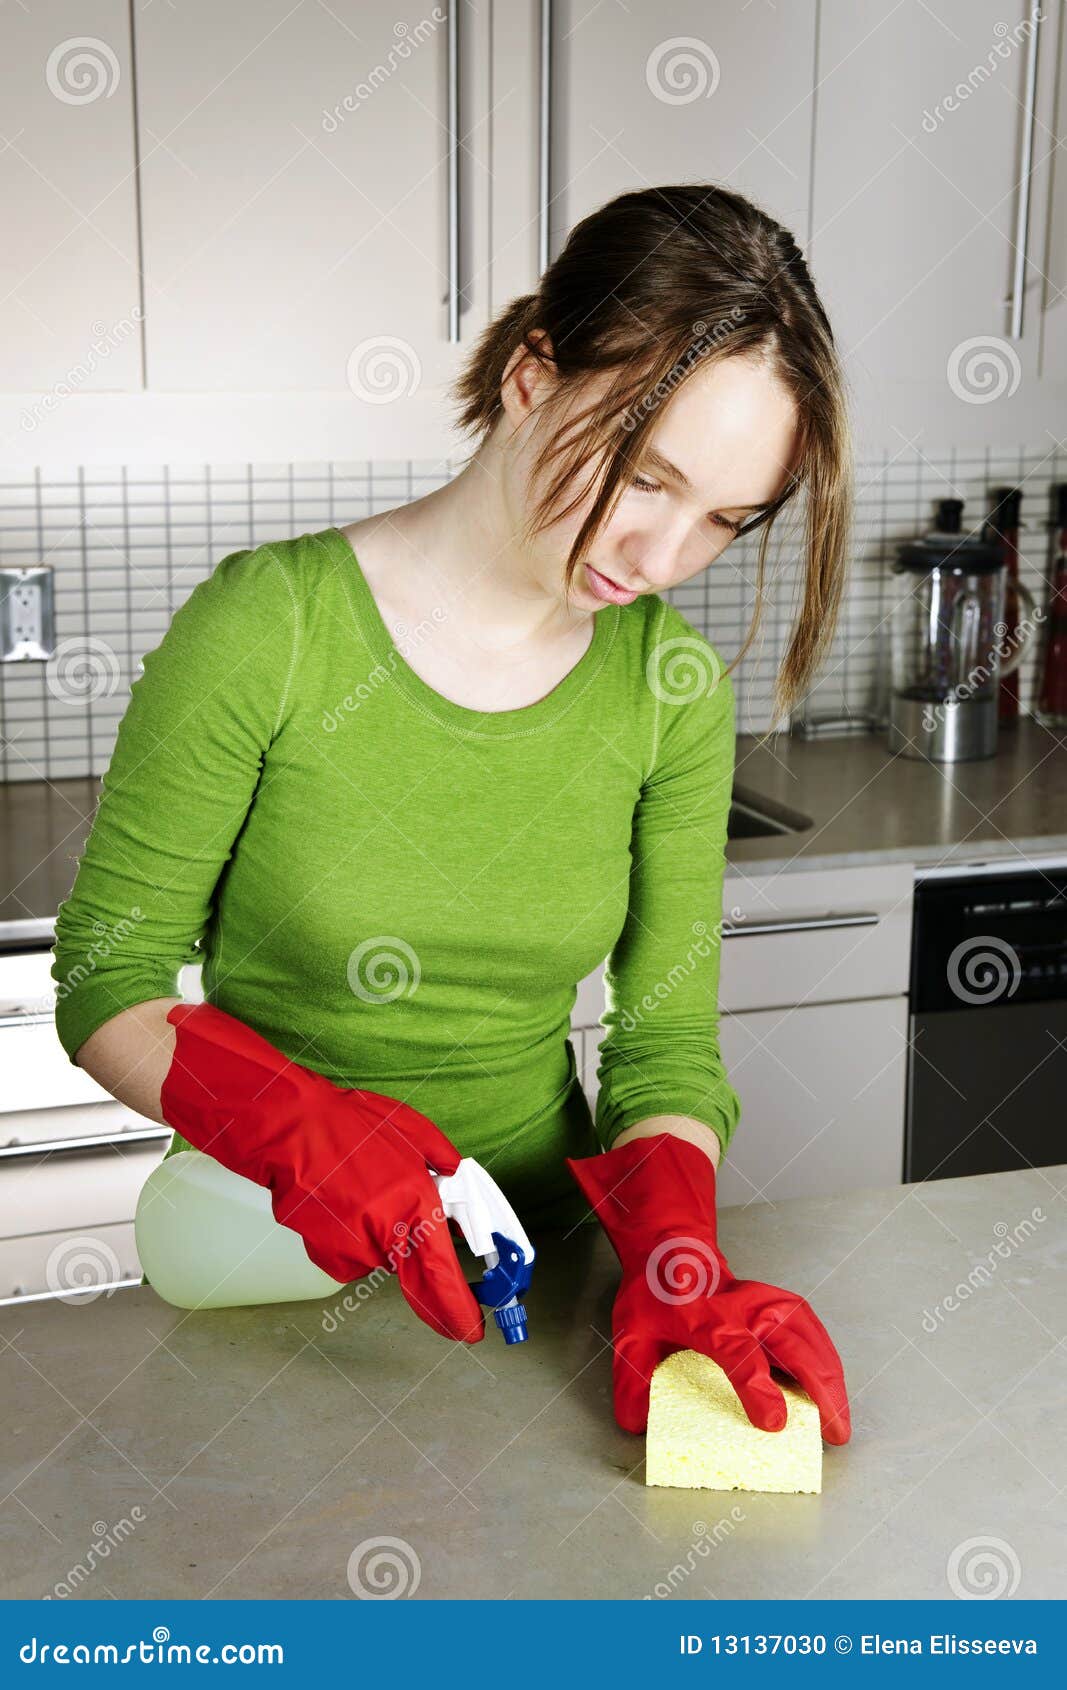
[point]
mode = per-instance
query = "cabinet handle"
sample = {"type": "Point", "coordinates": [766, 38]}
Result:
{"type": "Point", "coordinates": [544, 177]}
{"type": "Point", "coordinates": [86, 1141]}
{"type": "Point", "coordinates": [1022, 218]}
{"type": "Point", "coordinates": [453, 169]}
{"type": "Point", "coordinates": [801, 923]}
{"type": "Point", "coordinates": [18, 1017]}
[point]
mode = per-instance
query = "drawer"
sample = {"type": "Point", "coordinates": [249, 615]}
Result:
{"type": "Point", "coordinates": [820, 937]}
{"type": "Point", "coordinates": [26, 985]}
{"type": "Point", "coordinates": [35, 1070]}
{"type": "Point", "coordinates": [46, 1263]}
{"type": "Point", "coordinates": [37, 1073]}
{"type": "Point", "coordinates": [822, 1099]}
{"type": "Point", "coordinates": [827, 936]}
{"type": "Point", "coordinates": [23, 1129]}
{"type": "Point", "coordinates": [74, 1189]}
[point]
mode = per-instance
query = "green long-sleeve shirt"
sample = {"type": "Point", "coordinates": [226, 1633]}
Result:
{"type": "Point", "coordinates": [401, 892]}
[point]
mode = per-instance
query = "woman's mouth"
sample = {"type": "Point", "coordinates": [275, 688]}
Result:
{"type": "Point", "coordinates": [607, 590]}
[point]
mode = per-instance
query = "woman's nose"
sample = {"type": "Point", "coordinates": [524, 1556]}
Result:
{"type": "Point", "coordinates": [659, 562]}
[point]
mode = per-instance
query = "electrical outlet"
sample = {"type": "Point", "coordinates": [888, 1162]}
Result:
{"type": "Point", "coordinates": [27, 621]}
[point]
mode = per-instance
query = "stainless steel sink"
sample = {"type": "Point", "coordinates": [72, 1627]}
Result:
{"type": "Point", "coordinates": [752, 816]}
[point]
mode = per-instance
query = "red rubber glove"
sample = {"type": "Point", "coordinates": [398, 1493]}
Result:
{"type": "Point", "coordinates": [346, 1169]}
{"type": "Point", "coordinates": [655, 1198]}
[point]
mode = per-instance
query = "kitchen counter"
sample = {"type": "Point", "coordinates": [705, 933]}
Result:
{"type": "Point", "coordinates": [865, 805]}
{"type": "Point", "coordinates": [868, 805]}
{"type": "Point", "coordinates": [248, 1452]}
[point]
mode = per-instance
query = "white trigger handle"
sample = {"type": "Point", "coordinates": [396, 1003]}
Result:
{"type": "Point", "coordinates": [472, 1197]}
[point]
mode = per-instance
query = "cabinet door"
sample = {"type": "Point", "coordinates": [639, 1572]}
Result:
{"type": "Point", "coordinates": [918, 159]}
{"type": "Point", "coordinates": [1054, 314]}
{"type": "Point", "coordinates": [68, 259]}
{"type": "Point", "coordinates": [642, 97]}
{"type": "Point", "coordinates": [73, 1265]}
{"type": "Point", "coordinates": [822, 1099]}
{"type": "Point", "coordinates": [295, 198]}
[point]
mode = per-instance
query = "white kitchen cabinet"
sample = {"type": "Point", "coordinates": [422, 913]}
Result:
{"type": "Point", "coordinates": [56, 1264]}
{"type": "Point", "coordinates": [73, 1159]}
{"type": "Point", "coordinates": [822, 1094]}
{"type": "Point", "coordinates": [919, 154]}
{"type": "Point", "coordinates": [68, 258]}
{"type": "Point", "coordinates": [644, 96]}
{"type": "Point", "coordinates": [284, 228]}
{"type": "Point", "coordinates": [813, 1029]}
{"type": "Point", "coordinates": [1054, 292]}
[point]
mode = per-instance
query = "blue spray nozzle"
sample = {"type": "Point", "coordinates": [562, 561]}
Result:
{"type": "Point", "coordinates": [500, 1287]}
{"type": "Point", "coordinates": [471, 1197]}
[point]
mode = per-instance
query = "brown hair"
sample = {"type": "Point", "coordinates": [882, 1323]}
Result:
{"type": "Point", "coordinates": [647, 287]}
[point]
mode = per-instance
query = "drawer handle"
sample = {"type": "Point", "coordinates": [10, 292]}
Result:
{"type": "Point", "coordinates": [19, 1017]}
{"type": "Point", "coordinates": [800, 924]}
{"type": "Point", "coordinates": [87, 1141]}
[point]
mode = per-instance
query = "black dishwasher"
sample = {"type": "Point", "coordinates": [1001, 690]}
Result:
{"type": "Point", "coordinates": [987, 1063]}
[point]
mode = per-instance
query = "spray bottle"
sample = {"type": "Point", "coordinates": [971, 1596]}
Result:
{"type": "Point", "coordinates": [207, 1238]}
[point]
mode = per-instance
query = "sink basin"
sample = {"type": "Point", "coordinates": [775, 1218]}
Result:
{"type": "Point", "coordinates": [752, 816]}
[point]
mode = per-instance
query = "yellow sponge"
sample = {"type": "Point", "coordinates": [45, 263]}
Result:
{"type": "Point", "coordinates": [700, 1437]}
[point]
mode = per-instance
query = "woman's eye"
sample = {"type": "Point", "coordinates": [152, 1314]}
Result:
{"type": "Point", "coordinates": [644, 486]}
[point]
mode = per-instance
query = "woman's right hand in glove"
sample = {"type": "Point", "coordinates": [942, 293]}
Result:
{"type": "Point", "coordinates": [349, 1170]}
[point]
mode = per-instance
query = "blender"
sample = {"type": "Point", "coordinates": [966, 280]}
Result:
{"type": "Point", "coordinates": [947, 652]}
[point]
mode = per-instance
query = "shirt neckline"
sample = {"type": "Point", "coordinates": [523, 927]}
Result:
{"type": "Point", "coordinates": [522, 719]}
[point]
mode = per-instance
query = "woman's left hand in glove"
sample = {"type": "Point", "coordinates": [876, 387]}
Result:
{"type": "Point", "coordinates": [655, 1198]}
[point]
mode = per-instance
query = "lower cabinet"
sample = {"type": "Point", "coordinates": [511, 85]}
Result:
{"type": "Point", "coordinates": [813, 1029]}
{"type": "Point", "coordinates": [822, 1094]}
{"type": "Point", "coordinates": [81, 1265]}
{"type": "Point", "coordinates": [72, 1158]}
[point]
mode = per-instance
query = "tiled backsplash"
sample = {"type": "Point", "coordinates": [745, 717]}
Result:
{"type": "Point", "coordinates": [127, 548]}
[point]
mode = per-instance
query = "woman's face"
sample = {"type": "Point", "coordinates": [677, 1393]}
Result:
{"type": "Point", "coordinates": [730, 431]}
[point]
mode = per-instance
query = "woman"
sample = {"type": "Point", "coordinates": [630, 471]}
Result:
{"type": "Point", "coordinates": [413, 779]}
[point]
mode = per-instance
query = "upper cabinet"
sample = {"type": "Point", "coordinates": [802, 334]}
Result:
{"type": "Point", "coordinates": [68, 260]}
{"type": "Point", "coordinates": [301, 229]}
{"type": "Point", "coordinates": [334, 200]}
{"type": "Point", "coordinates": [645, 95]}
{"type": "Point", "coordinates": [932, 127]}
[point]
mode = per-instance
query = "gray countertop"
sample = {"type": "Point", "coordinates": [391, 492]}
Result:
{"type": "Point", "coordinates": [250, 1452]}
{"type": "Point", "coordinates": [865, 805]}
{"type": "Point", "coordinates": [869, 806]}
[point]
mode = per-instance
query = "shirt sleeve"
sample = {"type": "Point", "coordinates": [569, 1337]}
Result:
{"type": "Point", "coordinates": [660, 1051]}
{"type": "Point", "coordinates": [187, 758]}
